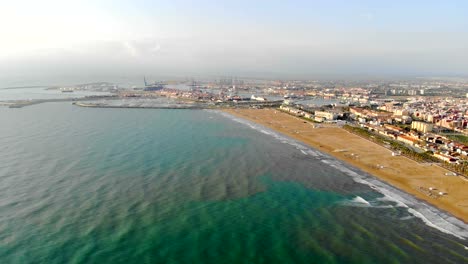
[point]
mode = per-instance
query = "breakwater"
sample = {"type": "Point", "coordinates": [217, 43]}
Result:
{"type": "Point", "coordinates": [175, 106]}
{"type": "Point", "coordinates": [24, 103]}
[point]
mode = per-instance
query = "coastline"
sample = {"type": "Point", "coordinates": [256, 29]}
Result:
{"type": "Point", "coordinates": [400, 172]}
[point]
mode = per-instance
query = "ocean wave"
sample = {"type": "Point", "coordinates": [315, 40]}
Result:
{"type": "Point", "coordinates": [430, 215]}
{"type": "Point", "coordinates": [409, 217]}
{"type": "Point", "coordinates": [358, 201]}
{"type": "Point", "coordinates": [431, 223]}
{"type": "Point", "coordinates": [388, 198]}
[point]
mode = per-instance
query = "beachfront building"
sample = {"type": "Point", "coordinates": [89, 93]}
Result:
{"type": "Point", "coordinates": [319, 119]}
{"type": "Point", "coordinates": [446, 158]}
{"type": "Point", "coordinates": [408, 140]}
{"type": "Point", "coordinates": [394, 129]}
{"type": "Point", "coordinates": [422, 126]}
{"type": "Point", "coordinates": [292, 110]}
{"type": "Point", "coordinates": [324, 115]}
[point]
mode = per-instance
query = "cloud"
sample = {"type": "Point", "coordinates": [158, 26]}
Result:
{"type": "Point", "coordinates": [142, 48]}
{"type": "Point", "coordinates": [131, 49]}
{"type": "Point", "coordinates": [156, 48]}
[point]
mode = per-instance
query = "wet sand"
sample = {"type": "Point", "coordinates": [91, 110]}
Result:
{"type": "Point", "coordinates": [408, 175]}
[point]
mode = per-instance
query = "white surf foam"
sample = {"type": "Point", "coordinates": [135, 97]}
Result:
{"type": "Point", "coordinates": [388, 198]}
{"type": "Point", "coordinates": [430, 223]}
{"type": "Point", "coordinates": [359, 199]}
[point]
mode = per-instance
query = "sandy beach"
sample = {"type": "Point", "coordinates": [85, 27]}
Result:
{"type": "Point", "coordinates": [412, 177]}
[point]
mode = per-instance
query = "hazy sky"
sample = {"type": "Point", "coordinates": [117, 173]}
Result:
{"type": "Point", "coordinates": [245, 38]}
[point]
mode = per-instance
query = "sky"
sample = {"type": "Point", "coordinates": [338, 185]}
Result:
{"type": "Point", "coordinates": [275, 39]}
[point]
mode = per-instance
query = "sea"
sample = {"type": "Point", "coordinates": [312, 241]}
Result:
{"type": "Point", "coordinates": [89, 185]}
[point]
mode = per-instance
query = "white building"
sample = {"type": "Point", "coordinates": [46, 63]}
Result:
{"type": "Point", "coordinates": [422, 126]}
{"type": "Point", "coordinates": [325, 115]}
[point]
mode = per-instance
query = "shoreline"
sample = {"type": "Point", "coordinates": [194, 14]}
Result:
{"type": "Point", "coordinates": [406, 175]}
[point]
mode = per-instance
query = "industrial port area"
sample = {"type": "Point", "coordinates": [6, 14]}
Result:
{"type": "Point", "coordinates": [305, 96]}
{"type": "Point", "coordinates": [233, 92]}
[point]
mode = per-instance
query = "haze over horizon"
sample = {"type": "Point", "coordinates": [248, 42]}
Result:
{"type": "Point", "coordinates": [267, 39]}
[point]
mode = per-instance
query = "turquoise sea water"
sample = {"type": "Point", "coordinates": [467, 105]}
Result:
{"type": "Point", "coordinates": [83, 185]}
